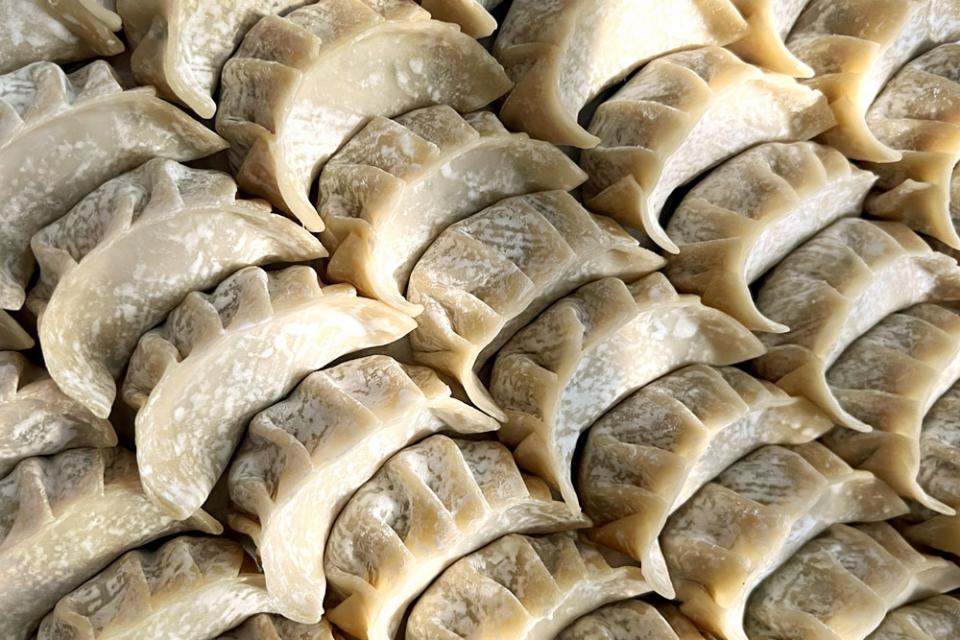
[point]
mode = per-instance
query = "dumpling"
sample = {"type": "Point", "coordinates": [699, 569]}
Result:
{"type": "Point", "coordinates": [521, 587]}
{"type": "Point", "coordinates": [473, 16]}
{"type": "Point", "coordinates": [769, 22]}
{"type": "Point", "coordinates": [64, 31]}
{"type": "Point", "coordinates": [300, 85]}
{"type": "Point", "coordinates": [563, 53]}
{"type": "Point", "coordinates": [304, 457]}
{"type": "Point", "coordinates": [428, 506]}
{"type": "Point", "coordinates": [833, 289]}
{"type": "Point", "coordinates": [680, 115]}
{"type": "Point", "coordinates": [489, 275]}
{"type": "Point", "coordinates": [917, 114]}
{"type": "Point", "coordinates": [749, 213]}
{"type": "Point", "coordinates": [64, 518]}
{"type": "Point", "coordinates": [44, 113]}
{"type": "Point", "coordinates": [649, 454]}
{"type": "Point", "coordinates": [264, 626]}
{"type": "Point", "coordinates": [37, 419]}
{"type": "Point", "coordinates": [754, 516]}
{"type": "Point", "coordinates": [855, 46]}
{"type": "Point", "coordinates": [888, 379]}
{"type": "Point", "coordinates": [389, 192]}
{"type": "Point", "coordinates": [632, 620]}
{"type": "Point", "coordinates": [842, 584]}
{"type": "Point", "coordinates": [552, 378]}
{"type": "Point", "coordinates": [936, 618]}
{"type": "Point", "coordinates": [12, 335]}
{"type": "Point", "coordinates": [222, 357]}
{"type": "Point", "coordinates": [191, 588]}
{"type": "Point", "coordinates": [129, 252]}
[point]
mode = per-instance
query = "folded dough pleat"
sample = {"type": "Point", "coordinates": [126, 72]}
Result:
{"type": "Point", "coordinates": [632, 620]}
{"type": "Point", "coordinates": [591, 349]}
{"type": "Point", "coordinates": [768, 24]}
{"type": "Point", "coordinates": [64, 518]}
{"type": "Point", "coordinates": [264, 626]}
{"type": "Point", "coordinates": [489, 275]}
{"type": "Point", "coordinates": [305, 456]}
{"type": "Point", "coordinates": [12, 335]}
{"type": "Point", "coordinates": [191, 588]}
{"type": "Point", "coordinates": [563, 53]}
{"type": "Point", "coordinates": [833, 289]}
{"type": "Point", "coordinates": [749, 213]}
{"type": "Point", "coordinates": [389, 192]}
{"type": "Point", "coordinates": [842, 584]}
{"type": "Point", "coordinates": [222, 357]}
{"type": "Point", "coordinates": [473, 16]}
{"type": "Point", "coordinates": [649, 454]}
{"type": "Point", "coordinates": [521, 587]}
{"type": "Point", "coordinates": [889, 379]}
{"type": "Point", "coordinates": [679, 116]}
{"type": "Point", "coordinates": [300, 85]}
{"type": "Point", "coordinates": [738, 529]}
{"type": "Point", "coordinates": [936, 618]}
{"type": "Point", "coordinates": [62, 136]}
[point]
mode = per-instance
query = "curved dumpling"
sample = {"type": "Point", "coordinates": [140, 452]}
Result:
{"type": "Point", "coordinates": [304, 457]}
{"type": "Point", "coordinates": [650, 453]}
{"type": "Point", "coordinates": [191, 588]}
{"type": "Point", "coordinates": [37, 419]}
{"type": "Point", "coordinates": [918, 114]}
{"type": "Point", "coordinates": [62, 31]}
{"type": "Point", "coordinates": [44, 113]}
{"type": "Point", "coordinates": [489, 275]}
{"type": "Point", "coordinates": [552, 378]}
{"type": "Point", "coordinates": [129, 252]}
{"type": "Point", "coordinates": [888, 379]}
{"type": "Point", "coordinates": [936, 618]}
{"type": "Point", "coordinates": [749, 213]}
{"type": "Point", "coordinates": [769, 22]}
{"type": "Point", "coordinates": [854, 46]}
{"type": "Point", "coordinates": [738, 529]}
{"type": "Point", "coordinates": [222, 357]}
{"type": "Point", "coordinates": [680, 115]}
{"type": "Point", "coordinates": [12, 335]}
{"type": "Point", "coordinates": [473, 16]}
{"type": "Point", "coordinates": [265, 626]}
{"type": "Point", "coordinates": [64, 518]}
{"type": "Point", "coordinates": [632, 620]}
{"type": "Point", "coordinates": [389, 192]}
{"type": "Point", "coordinates": [833, 289]}
{"type": "Point", "coordinates": [428, 506]}
{"type": "Point", "coordinates": [301, 85]}
{"type": "Point", "coordinates": [563, 53]}
{"type": "Point", "coordinates": [520, 587]}
{"type": "Point", "coordinates": [842, 584]}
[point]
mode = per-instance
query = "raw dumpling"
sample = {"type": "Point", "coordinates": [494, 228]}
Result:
{"type": "Point", "coordinates": [769, 22]}
{"type": "Point", "coordinates": [650, 453]}
{"type": "Point", "coordinates": [833, 289]}
{"type": "Point", "coordinates": [305, 456]}
{"type": "Point", "coordinates": [553, 378]}
{"type": "Point", "coordinates": [738, 529]}
{"type": "Point", "coordinates": [129, 252]}
{"type": "Point", "coordinates": [489, 275]}
{"type": "Point", "coordinates": [749, 213]}
{"type": "Point", "coordinates": [936, 618]}
{"type": "Point", "coordinates": [57, 31]}
{"type": "Point", "coordinates": [855, 46]}
{"type": "Point", "coordinates": [522, 588]}
{"type": "Point", "coordinates": [64, 518]}
{"type": "Point", "coordinates": [842, 584]}
{"type": "Point", "coordinates": [191, 588]}
{"type": "Point", "coordinates": [222, 357]}
{"type": "Point", "coordinates": [62, 136]}
{"type": "Point", "coordinates": [12, 335]}
{"type": "Point", "coordinates": [301, 85]}
{"type": "Point", "coordinates": [918, 114]}
{"type": "Point", "coordinates": [264, 626]}
{"type": "Point", "coordinates": [37, 419]}
{"type": "Point", "coordinates": [563, 53]}
{"type": "Point", "coordinates": [395, 186]}
{"type": "Point", "coordinates": [473, 16]}
{"type": "Point", "coordinates": [632, 620]}
{"type": "Point", "coordinates": [680, 115]}
{"type": "Point", "coordinates": [888, 379]}
{"type": "Point", "coordinates": [428, 506]}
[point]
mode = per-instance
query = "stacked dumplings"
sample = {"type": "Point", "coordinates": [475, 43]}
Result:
{"type": "Point", "coordinates": [480, 320]}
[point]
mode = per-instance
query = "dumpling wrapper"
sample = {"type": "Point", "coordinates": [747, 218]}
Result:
{"type": "Point", "coordinates": [265, 626]}
{"type": "Point", "coordinates": [473, 16]}
{"type": "Point", "coordinates": [61, 137]}
{"type": "Point", "coordinates": [301, 85]}
{"type": "Point", "coordinates": [389, 192]}
{"type": "Point", "coordinates": [749, 213]}
{"type": "Point", "coordinates": [221, 357]}
{"type": "Point", "coordinates": [679, 116]}
{"type": "Point", "coordinates": [489, 275]}
{"type": "Point", "coordinates": [552, 378]}
{"type": "Point", "coordinates": [304, 457]}
{"type": "Point", "coordinates": [633, 620]}
{"type": "Point", "coordinates": [12, 335]}
{"type": "Point", "coordinates": [936, 618]}
{"type": "Point", "coordinates": [769, 22]}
